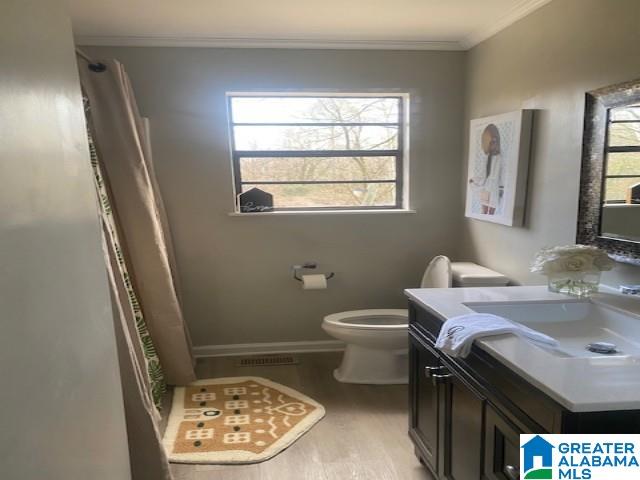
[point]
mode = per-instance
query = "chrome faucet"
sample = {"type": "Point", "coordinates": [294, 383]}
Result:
{"type": "Point", "coordinates": [630, 289]}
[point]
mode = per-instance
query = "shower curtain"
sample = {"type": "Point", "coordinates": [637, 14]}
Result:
{"type": "Point", "coordinates": [122, 144]}
{"type": "Point", "coordinates": [140, 371]}
{"type": "Point", "coordinates": [153, 342]}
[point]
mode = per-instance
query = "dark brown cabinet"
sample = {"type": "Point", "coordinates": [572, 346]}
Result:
{"type": "Point", "coordinates": [426, 404]}
{"type": "Point", "coordinates": [466, 415]}
{"type": "Point", "coordinates": [462, 430]}
{"type": "Point", "coordinates": [502, 452]}
{"type": "Point", "coordinates": [446, 420]}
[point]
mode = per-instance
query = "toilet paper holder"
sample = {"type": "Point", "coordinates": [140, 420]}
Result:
{"type": "Point", "coordinates": [310, 266]}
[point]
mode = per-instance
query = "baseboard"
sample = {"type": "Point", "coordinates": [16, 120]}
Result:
{"type": "Point", "coordinates": [265, 348]}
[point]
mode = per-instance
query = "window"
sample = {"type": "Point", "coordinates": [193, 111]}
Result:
{"type": "Point", "coordinates": [313, 152]}
{"type": "Point", "coordinates": [622, 178]}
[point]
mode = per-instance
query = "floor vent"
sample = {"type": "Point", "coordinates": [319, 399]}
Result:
{"type": "Point", "coordinates": [267, 360]}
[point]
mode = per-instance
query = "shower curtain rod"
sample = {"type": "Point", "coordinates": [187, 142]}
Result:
{"type": "Point", "coordinates": [93, 65]}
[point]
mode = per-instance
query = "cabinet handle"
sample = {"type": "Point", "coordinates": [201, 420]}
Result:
{"type": "Point", "coordinates": [440, 379]}
{"type": "Point", "coordinates": [429, 371]}
{"type": "Point", "coordinates": [511, 472]}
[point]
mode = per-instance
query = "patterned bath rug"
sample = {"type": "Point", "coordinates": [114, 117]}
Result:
{"type": "Point", "coordinates": [236, 420]}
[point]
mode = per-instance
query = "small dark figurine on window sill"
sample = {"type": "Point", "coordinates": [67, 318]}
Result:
{"type": "Point", "coordinates": [251, 208]}
{"type": "Point", "coordinates": [255, 200]}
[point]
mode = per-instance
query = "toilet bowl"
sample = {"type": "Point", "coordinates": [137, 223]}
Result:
{"type": "Point", "coordinates": [376, 345]}
{"type": "Point", "coordinates": [377, 340]}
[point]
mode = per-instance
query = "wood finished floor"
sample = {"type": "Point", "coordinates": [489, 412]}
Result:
{"type": "Point", "coordinates": [363, 435]}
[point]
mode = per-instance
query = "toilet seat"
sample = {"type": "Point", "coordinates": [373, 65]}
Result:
{"type": "Point", "coordinates": [376, 319]}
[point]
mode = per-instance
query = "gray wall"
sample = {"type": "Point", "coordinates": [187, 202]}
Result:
{"type": "Point", "coordinates": [621, 219]}
{"type": "Point", "coordinates": [235, 271]}
{"type": "Point", "coordinates": [62, 415]}
{"type": "Point", "coordinates": [547, 61]}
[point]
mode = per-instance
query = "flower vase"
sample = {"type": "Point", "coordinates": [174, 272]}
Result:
{"type": "Point", "coordinates": [578, 284]}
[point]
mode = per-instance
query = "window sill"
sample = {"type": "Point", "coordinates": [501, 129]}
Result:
{"type": "Point", "coordinates": [621, 205]}
{"type": "Point", "coordinates": [323, 212]}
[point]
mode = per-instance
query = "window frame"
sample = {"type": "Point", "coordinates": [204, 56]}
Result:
{"type": "Point", "coordinates": [615, 149]}
{"type": "Point", "coordinates": [400, 153]}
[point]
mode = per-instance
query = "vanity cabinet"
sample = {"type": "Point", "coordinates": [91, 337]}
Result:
{"type": "Point", "coordinates": [466, 415]}
{"type": "Point", "coordinates": [502, 455]}
{"type": "Point", "coordinates": [446, 415]}
{"type": "Point", "coordinates": [462, 431]}
{"type": "Point", "coordinates": [425, 402]}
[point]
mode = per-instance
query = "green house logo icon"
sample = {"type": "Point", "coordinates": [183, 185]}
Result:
{"type": "Point", "coordinates": [538, 447]}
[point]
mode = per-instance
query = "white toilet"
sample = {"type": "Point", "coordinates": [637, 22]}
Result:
{"type": "Point", "coordinates": [377, 340]}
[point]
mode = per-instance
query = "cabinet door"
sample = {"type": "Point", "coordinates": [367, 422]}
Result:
{"type": "Point", "coordinates": [424, 402]}
{"type": "Point", "coordinates": [502, 447]}
{"type": "Point", "coordinates": [461, 429]}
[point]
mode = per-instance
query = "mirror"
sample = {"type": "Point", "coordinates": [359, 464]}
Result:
{"type": "Point", "coordinates": [621, 190]}
{"type": "Point", "coordinates": [610, 182]}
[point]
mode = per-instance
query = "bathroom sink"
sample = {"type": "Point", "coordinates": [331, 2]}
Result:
{"type": "Point", "coordinates": [575, 325]}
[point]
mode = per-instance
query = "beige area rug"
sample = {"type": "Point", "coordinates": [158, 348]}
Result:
{"type": "Point", "coordinates": [236, 420]}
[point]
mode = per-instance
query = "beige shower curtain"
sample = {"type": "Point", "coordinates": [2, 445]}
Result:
{"type": "Point", "coordinates": [121, 139]}
{"type": "Point", "coordinates": [142, 378]}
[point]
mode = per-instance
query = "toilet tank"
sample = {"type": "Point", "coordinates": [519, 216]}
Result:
{"type": "Point", "coordinates": [468, 274]}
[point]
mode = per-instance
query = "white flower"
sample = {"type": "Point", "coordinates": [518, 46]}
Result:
{"type": "Point", "coordinates": [578, 263]}
{"type": "Point", "coordinates": [603, 262]}
{"type": "Point", "coordinates": [571, 258]}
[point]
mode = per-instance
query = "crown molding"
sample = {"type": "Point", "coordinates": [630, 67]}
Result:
{"type": "Point", "coordinates": [517, 12]}
{"type": "Point", "coordinates": [236, 42]}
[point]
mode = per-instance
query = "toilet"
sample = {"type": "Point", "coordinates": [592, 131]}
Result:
{"type": "Point", "coordinates": [377, 340]}
{"type": "Point", "coordinates": [376, 345]}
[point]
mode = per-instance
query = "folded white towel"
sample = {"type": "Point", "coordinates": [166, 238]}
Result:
{"type": "Point", "coordinates": [458, 333]}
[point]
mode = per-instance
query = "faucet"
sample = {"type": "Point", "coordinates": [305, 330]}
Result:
{"type": "Point", "coordinates": [630, 289]}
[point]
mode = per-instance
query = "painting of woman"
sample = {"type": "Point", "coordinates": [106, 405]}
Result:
{"type": "Point", "coordinates": [490, 184]}
{"type": "Point", "coordinates": [498, 164]}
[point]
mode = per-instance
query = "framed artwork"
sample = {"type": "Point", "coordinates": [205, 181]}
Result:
{"type": "Point", "coordinates": [499, 148]}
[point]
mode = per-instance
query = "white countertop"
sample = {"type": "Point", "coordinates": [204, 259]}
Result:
{"type": "Point", "coordinates": [579, 384]}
